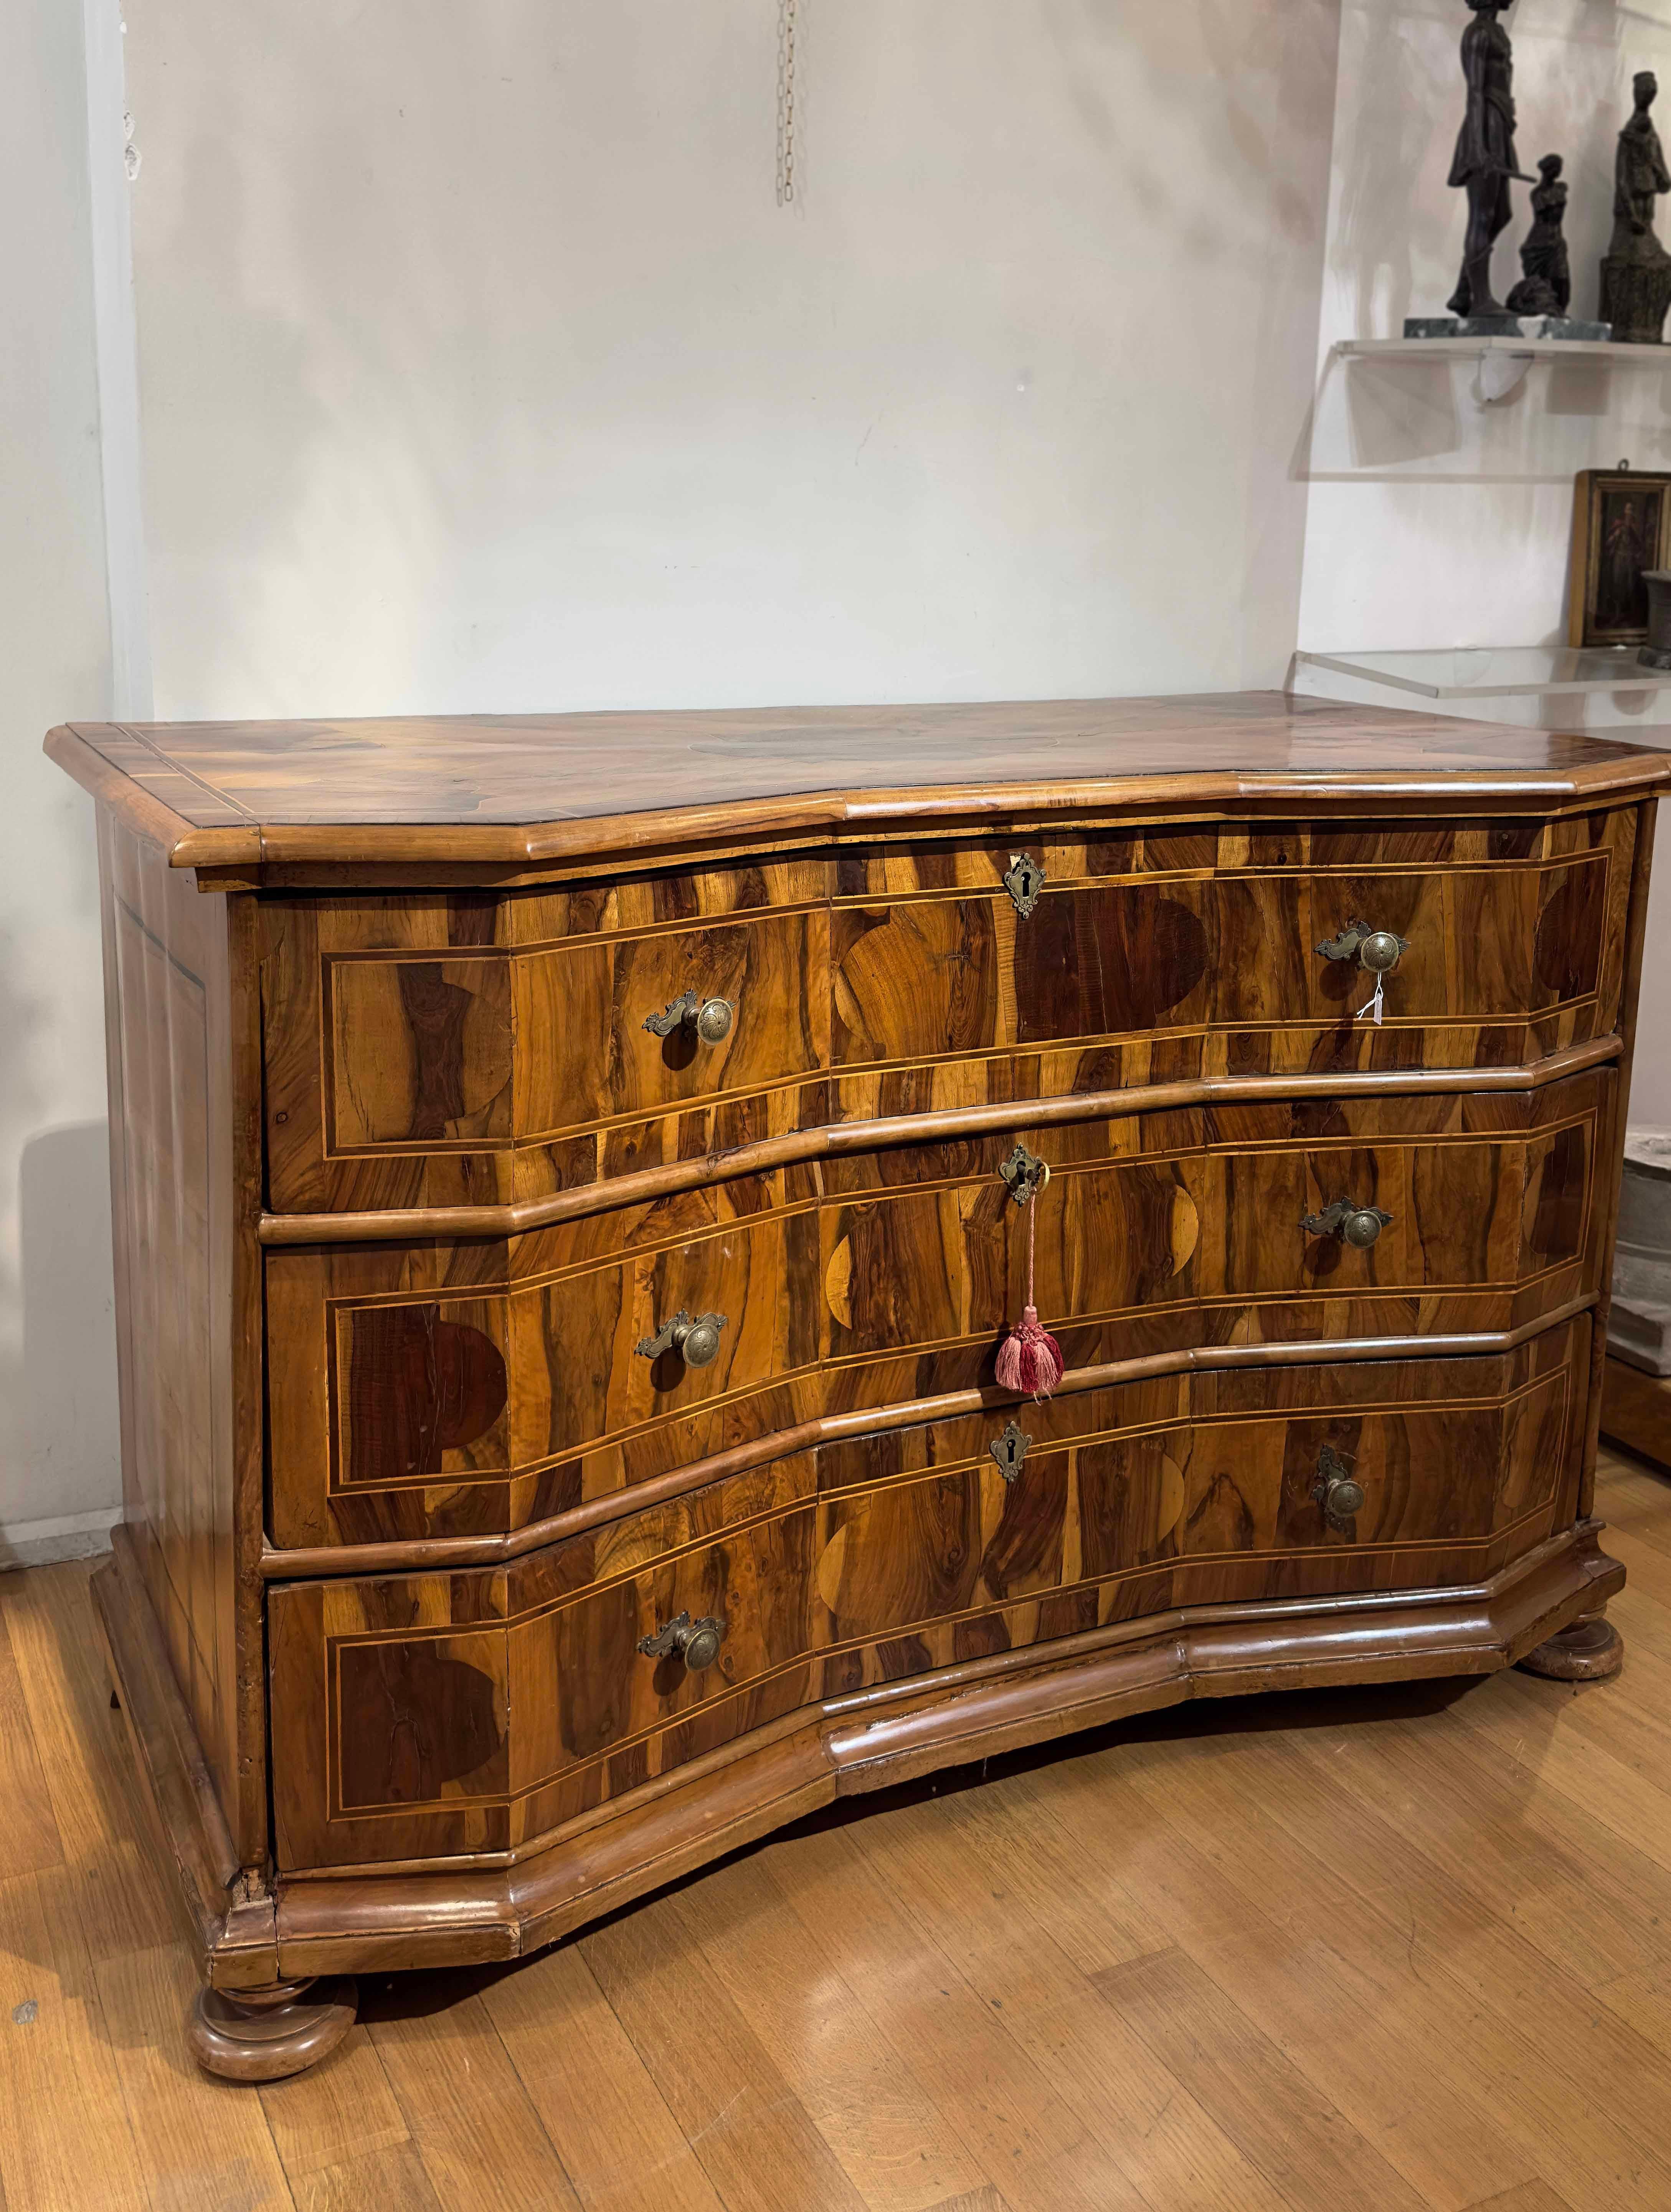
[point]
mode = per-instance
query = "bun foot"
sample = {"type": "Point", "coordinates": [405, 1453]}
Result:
{"type": "Point", "coordinates": [1588, 1650]}
{"type": "Point", "coordinates": [262, 2035]}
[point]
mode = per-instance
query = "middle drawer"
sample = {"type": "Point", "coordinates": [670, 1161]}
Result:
{"type": "Point", "coordinates": [470, 1387]}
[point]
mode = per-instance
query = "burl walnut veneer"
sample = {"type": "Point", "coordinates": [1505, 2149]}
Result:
{"type": "Point", "coordinates": [572, 1177]}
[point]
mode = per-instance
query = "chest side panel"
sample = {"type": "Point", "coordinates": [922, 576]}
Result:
{"type": "Point", "coordinates": [188, 1297]}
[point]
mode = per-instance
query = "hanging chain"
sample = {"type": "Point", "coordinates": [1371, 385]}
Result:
{"type": "Point", "coordinates": [785, 102]}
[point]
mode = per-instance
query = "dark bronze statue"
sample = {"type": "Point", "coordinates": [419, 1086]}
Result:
{"type": "Point", "coordinates": [1485, 158]}
{"type": "Point", "coordinates": [1546, 282]}
{"type": "Point", "coordinates": [1636, 269]}
{"type": "Point", "coordinates": [1639, 176]}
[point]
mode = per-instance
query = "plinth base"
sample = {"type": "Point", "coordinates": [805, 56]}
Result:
{"type": "Point", "coordinates": [1635, 296]}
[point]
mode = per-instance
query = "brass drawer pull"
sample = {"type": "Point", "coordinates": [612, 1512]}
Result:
{"type": "Point", "coordinates": [1009, 1448]}
{"type": "Point", "coordinates": [696, 1642]}
{"type": "Point", "coordinates": [1374, 950]}
{"type": "Point", "coordinates": [1023, 879]}
{"type": "Point", "coordinates": [1335, 1490]}
{"type": "Point", "coordinates": [1358, 1225]}
{"type": "Point", "coordinates": [696, 1342]}
{"type": "Point", "coordinates": [709, 1017]}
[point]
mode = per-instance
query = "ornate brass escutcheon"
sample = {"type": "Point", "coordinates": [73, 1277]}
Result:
{"type": "Point", "coordinates": [1356, 1226]}
{"type": "Point", "coordinates": [1376, 950]}
{"type": "Point", "coordinates": [696, 1342]}
{"type": "Point", "coordinates": [696, 1642]}
{"type": "Point", "coordinates": [1009, 1448]}
{"type": "Point", "coordinates": [1336, 1490]}
{"type": "Point", "coordinates": [709, 1017]}
{"type": "Point", "coordinates": [1023, 879]}
{"type": "Point", "coordinates": [1024, 1173]}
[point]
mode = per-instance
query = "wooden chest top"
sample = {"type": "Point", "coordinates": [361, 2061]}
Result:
{"type": "Point", "coordinates": [247, 803]}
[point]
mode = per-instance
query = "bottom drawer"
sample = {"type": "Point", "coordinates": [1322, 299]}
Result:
{"type": "Point", "coordinates": [421, 1716]}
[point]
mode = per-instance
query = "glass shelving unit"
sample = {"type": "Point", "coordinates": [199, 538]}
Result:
{"type": "Point", "coordinates": [1500, 671]}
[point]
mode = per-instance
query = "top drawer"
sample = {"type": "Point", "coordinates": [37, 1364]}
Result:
{"type": "Point", "coordinates": [448, 1050]}
{"type": "Point", "coordinates": [1235, 947]}
{"type": "Point", "coordinates": [470, 1049]}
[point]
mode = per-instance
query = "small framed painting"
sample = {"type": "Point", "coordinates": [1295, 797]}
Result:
{"type": "Point", "coordinates": [1621, 525]}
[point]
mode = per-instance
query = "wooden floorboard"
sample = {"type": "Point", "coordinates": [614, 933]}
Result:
{"type": "Point", "coordinates": [1406, 1947]}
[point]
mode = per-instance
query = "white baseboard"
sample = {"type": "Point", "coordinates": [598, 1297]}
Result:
{"type": "Point", "coordinates": [70, 1536]}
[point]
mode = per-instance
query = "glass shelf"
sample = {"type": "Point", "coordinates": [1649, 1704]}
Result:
{"type": "Point", "coordinates": [1488, 672]}
{"type": "Point", "coordinates": [1526, 349]}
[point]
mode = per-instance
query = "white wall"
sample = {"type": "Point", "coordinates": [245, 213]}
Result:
{"type": "Point", "coordinates": [58, 1452]}
{"type": "Point", "coordinates": [481, 370]}
{"type": "Point", "coordinates": [1436, 521]}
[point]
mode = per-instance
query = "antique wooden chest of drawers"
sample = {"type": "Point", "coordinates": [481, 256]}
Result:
{"type": "Point", "coordinates": [571, 1179]}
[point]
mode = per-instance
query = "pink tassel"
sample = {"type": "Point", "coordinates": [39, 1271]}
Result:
{"type": "Point", "coordinates": [1030, 1358]}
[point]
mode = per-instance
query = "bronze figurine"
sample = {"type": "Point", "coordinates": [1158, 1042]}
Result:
{"type": "Point", "coordinates": [1636, 269]}
{"type": "Point", "coordinates": [1485, 160]}
{"type": "Point", "coordinates": [1546, 282]}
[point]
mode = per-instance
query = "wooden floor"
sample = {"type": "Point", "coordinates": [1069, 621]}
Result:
{"type": "Point", "coordinates": [1364, 1951]}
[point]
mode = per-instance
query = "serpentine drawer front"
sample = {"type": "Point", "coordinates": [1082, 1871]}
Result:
{"type": "Point", "coordinates": [574, 1178]}
{"type": "Point", "coordinates": [1522, 947]}
{"type": "Point", "coordinates": [459, 1051]}
{"type": "Point", "coordinates": [408, 1061]}
{"type": "Point", "coordinates": [487, 1386]}
{"type": "Point", "coordinates": [471, 1713]}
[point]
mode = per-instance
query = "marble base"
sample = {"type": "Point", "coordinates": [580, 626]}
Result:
{"type": "Point", "coordinates": [1505, 326]}
{"type": "Point", "coordinates": [1462, 326]}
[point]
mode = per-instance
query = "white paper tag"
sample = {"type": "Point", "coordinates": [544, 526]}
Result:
{"type": "Point", "coordinates": [1372, 1007]}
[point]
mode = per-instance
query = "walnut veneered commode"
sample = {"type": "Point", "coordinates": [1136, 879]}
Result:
{"type": "Point", "coordinates": [562, 1242]}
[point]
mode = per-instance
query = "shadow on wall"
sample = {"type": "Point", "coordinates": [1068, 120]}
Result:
{"type": "Point", "coordinates": [1380, 201]}
{"type": "Point", "coordinates": [61, 1397]}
